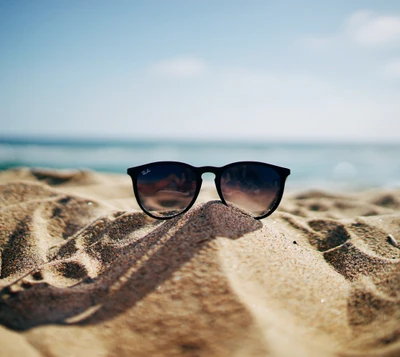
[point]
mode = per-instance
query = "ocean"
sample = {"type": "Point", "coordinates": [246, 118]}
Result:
{"type": "Point", "coordinates": [328, 166]}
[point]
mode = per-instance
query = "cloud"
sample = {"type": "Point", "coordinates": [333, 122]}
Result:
{"type": "Point", "coordinates": [392, 69]}
{"type": "Point", "coordinates": [364, 28]}
{"type": "Point", "coordinates": [180, 67]}
{"type": "Point", "coordinates": [369, 29]}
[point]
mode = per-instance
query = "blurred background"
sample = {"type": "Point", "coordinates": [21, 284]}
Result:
{"type": "Point", "coordinates": [105, 85]}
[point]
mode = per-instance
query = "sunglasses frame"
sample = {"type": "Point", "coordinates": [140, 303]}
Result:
{"type": "Point", "coordinates": [134, 172]}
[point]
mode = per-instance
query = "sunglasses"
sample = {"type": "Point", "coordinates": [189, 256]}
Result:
{"type": "Point", "coordinates": [167, 189]}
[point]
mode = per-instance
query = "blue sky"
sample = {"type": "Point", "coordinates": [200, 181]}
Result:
{"type": "Point", "coordinates": [250, 70]}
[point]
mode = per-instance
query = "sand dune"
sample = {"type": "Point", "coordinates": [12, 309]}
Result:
{"type": "Point", "coordinates": [84, 272]}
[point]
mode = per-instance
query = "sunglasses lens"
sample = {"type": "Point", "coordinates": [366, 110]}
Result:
{"type": "Point", "coordinates": [252, 187]}
{"type": "Point", "coordinates": [166, 189]}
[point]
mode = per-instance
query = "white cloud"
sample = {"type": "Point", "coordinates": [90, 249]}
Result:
{"type": "Point", "coordinates": [364, 28]}
{"type": "Point", "coordinates": [369, 29]}
{"type": "Point", "coordinates": [392, 69]}
{"type": "Point", "coordinates": [180, 67]}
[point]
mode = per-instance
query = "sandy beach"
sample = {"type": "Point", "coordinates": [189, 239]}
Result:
{"type": "Point", "coordinates": [83, 272]}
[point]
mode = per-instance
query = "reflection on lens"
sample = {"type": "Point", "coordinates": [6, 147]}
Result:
{"type": "Point", "coordinates": [252, 187]}
{"type": "Point", "coordinates": [166, 190]}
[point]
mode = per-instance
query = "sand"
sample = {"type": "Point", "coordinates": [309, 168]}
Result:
{"type": "Point", "coordinates": [83, 272]}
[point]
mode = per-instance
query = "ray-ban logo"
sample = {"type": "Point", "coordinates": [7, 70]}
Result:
{"type": "Point", "coordinates": [145, 172]}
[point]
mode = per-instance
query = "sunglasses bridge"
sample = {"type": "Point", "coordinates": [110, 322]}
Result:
{"type": "Point", "coordinates": [207, 170]}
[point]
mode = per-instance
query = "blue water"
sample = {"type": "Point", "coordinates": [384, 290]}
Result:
{"type": "Point", "coordinates": [319, 166]}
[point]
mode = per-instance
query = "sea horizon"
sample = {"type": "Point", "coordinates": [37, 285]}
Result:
{"type": "Point", "coordinates": [334, 165]}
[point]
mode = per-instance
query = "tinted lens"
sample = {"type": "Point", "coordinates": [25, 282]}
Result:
{"type": "Point", "coordinates": [252, 187]}
{"type": "Point", "coordinates": [166, 189]}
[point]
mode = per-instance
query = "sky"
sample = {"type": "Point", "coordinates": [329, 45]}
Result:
{"type": "Point", "coordinates": [212, 69]}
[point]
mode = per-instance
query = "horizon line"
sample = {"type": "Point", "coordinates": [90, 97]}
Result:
{"type": "Point", "coordinates": [124, 140]}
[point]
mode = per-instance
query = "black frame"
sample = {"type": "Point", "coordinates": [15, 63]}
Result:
{"type": "Point", "coordinates": [283, 172]}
